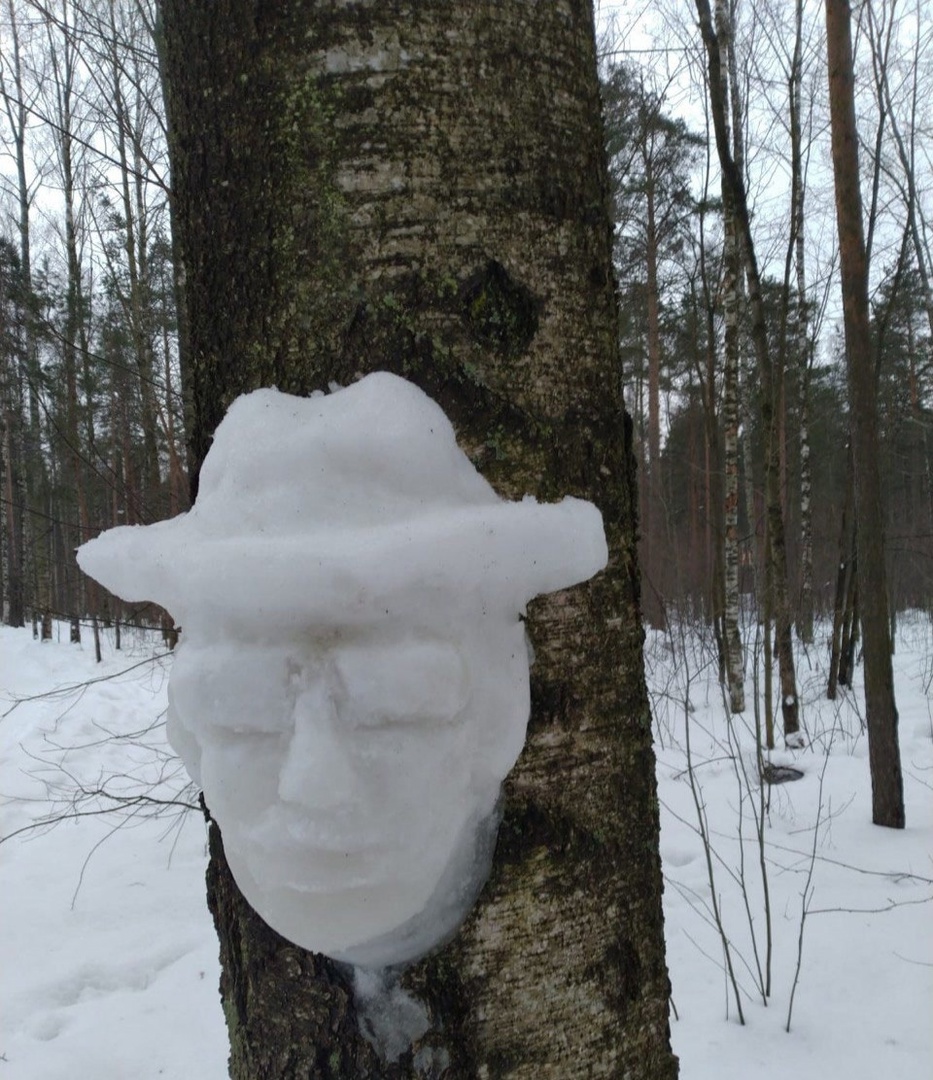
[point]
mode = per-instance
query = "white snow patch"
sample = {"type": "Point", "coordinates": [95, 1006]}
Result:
{"type": "Point", "coordinates": [84, 986]}
{"type": "Point", "coordinates": [352, 687]}
{"type": "Point", "coordinates": [390, 1018]}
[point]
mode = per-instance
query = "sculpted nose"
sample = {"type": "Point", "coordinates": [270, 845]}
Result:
{"type": "Point", "coordinates": [317, 773]}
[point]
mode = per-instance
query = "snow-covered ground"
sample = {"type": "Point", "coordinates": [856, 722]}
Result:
{"type": "Point", "coordinates": [863, 1005]}
{"type": "Point", "coordinates": [108, 961]}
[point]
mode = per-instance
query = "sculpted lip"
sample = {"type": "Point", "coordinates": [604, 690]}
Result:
{"type": "Point", "coordinates": [282, 827]}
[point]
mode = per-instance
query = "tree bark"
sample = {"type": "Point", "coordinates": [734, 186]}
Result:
{"type": "Point", "coordinates": [135, 298]}
{"type": "Point", "coordinates": [731, 291]}
{"type": "Point", "coordinates": [651, 551]}
{"type": "Point", "coordinates": [804, 351]}
{"type": "Point", "coordinates": [16, 377]}
{"type": "Point", "coordinates": [12, 591]}
{"type": "Point", "coordinates": [64, 62]}
{"type": "Point", "coordinates": [843, 574]}
{"type": "Point", "coordinates": [880, 708]}
{"type": "Point", "coordinates": [775, 551]}
{"type": "Point", "coordinates": [422, 189]}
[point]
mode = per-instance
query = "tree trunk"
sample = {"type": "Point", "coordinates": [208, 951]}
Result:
{"type": "Point", "coordinates": [775, 549]}
{"type": "Point", "coordinates": [716, 477]}
{"type": "Point", "coordinates": [30, 478]}
{"type": "Point", "coordinates": [137, 300]}
{"type": "Point", "coordinates": [843, 574]}
{"type": "Point", "coordinates": [423, 192]}
{"type": "Point", "coordinates": [13, 613]}
{"type": "Point", "coordinates": [731, 290]}
{"type": "Point", "coordinates": [880, 708]}
{"type": "Point", "coordinates": [653, 534]}
{"type": "Point", "coordinates": [805, 607]}
{"type": "Point", "coordinates": [798, 192]}
{"type": "Point", "coordinates": [906, 153]}
{"type": "Point", "coordinates": [64, 64]}
{"type": "Point", "coordinates": [850, 621]}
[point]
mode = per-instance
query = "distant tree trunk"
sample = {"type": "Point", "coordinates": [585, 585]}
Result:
{"type": "Point", "coordinates": [768, 648]}
{"type": "Point", "coordinates": [731, 292]}
{"type": "Point", "coordinates": [752, 544]}
{"type": "Point", "coordinates": [137, 302]}
{"type": "Point", "coordinates": [654, 526]}
{"type": "Point", "coordinates": [735, 661]}
{"type": "Point", "coordinates": [880, 708]}
{"type": "Point", "coordinates": [906, 153]}
{"type": "Point", "coordinates": [850, 623]}
{"type": "Point", "coordinates": [13, 314]}
{"type": "Point", "coordinates": [13, 613]}
{"type": "Point", "coordinates": [64, 63]}
{"type": "Point", "coordinates": [924, 480]}
{"type": "Point", "coordinates": [26, 478]}
{"type": "Point", "coordinates": [776, 551]}
{"type": "Point", "coordinates": [843, 574]}
{"type": "Point", "coordinates": [357, 189]}
{"type": "Point", "coordinates": [716, 482]}
{"type": "Point", "coordinates": [805, 602]}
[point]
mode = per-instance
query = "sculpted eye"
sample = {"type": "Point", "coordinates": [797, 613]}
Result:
{"type": "Point", "coordinates": [410, 682]}
{"type": "Point", "coordinates": [229, 689]}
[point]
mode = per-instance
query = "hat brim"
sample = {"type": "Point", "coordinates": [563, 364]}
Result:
{"type": "Point", "coordinates": [500, 555]}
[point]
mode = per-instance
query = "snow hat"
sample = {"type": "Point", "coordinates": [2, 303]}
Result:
{"type": "Point", "coordinates": [345, 507]}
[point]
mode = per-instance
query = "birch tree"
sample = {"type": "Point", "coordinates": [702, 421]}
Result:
{"type": "Point", "coordinates": [735, 183]}
{"type": "Point", "coordinates": [731, 294]}
{"type": "Point", "coordinates": [426, 194]}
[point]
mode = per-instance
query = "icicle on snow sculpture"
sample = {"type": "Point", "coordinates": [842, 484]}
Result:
{"type": "Point", "coordinates": [352, 684]}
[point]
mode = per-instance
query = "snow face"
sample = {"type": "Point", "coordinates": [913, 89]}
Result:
{"type": "Point", "coordinates": [352, 687]}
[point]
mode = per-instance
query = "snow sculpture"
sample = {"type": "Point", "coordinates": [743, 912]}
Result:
{"type": "Point", "coordinates": [352, 686]}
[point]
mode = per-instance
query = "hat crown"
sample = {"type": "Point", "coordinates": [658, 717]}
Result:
{"type": "Point", "coordinates": [374, 453]}
{"type": "Point", "coordinates": [343, 509]}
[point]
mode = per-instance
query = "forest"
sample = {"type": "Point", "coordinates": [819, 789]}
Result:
{"type": "Point", "coordinates": [670, 258]}
{"type": "Point", "coordinates": [716, 215]}
{"type": "Point", "coordinates": [92, 347]}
